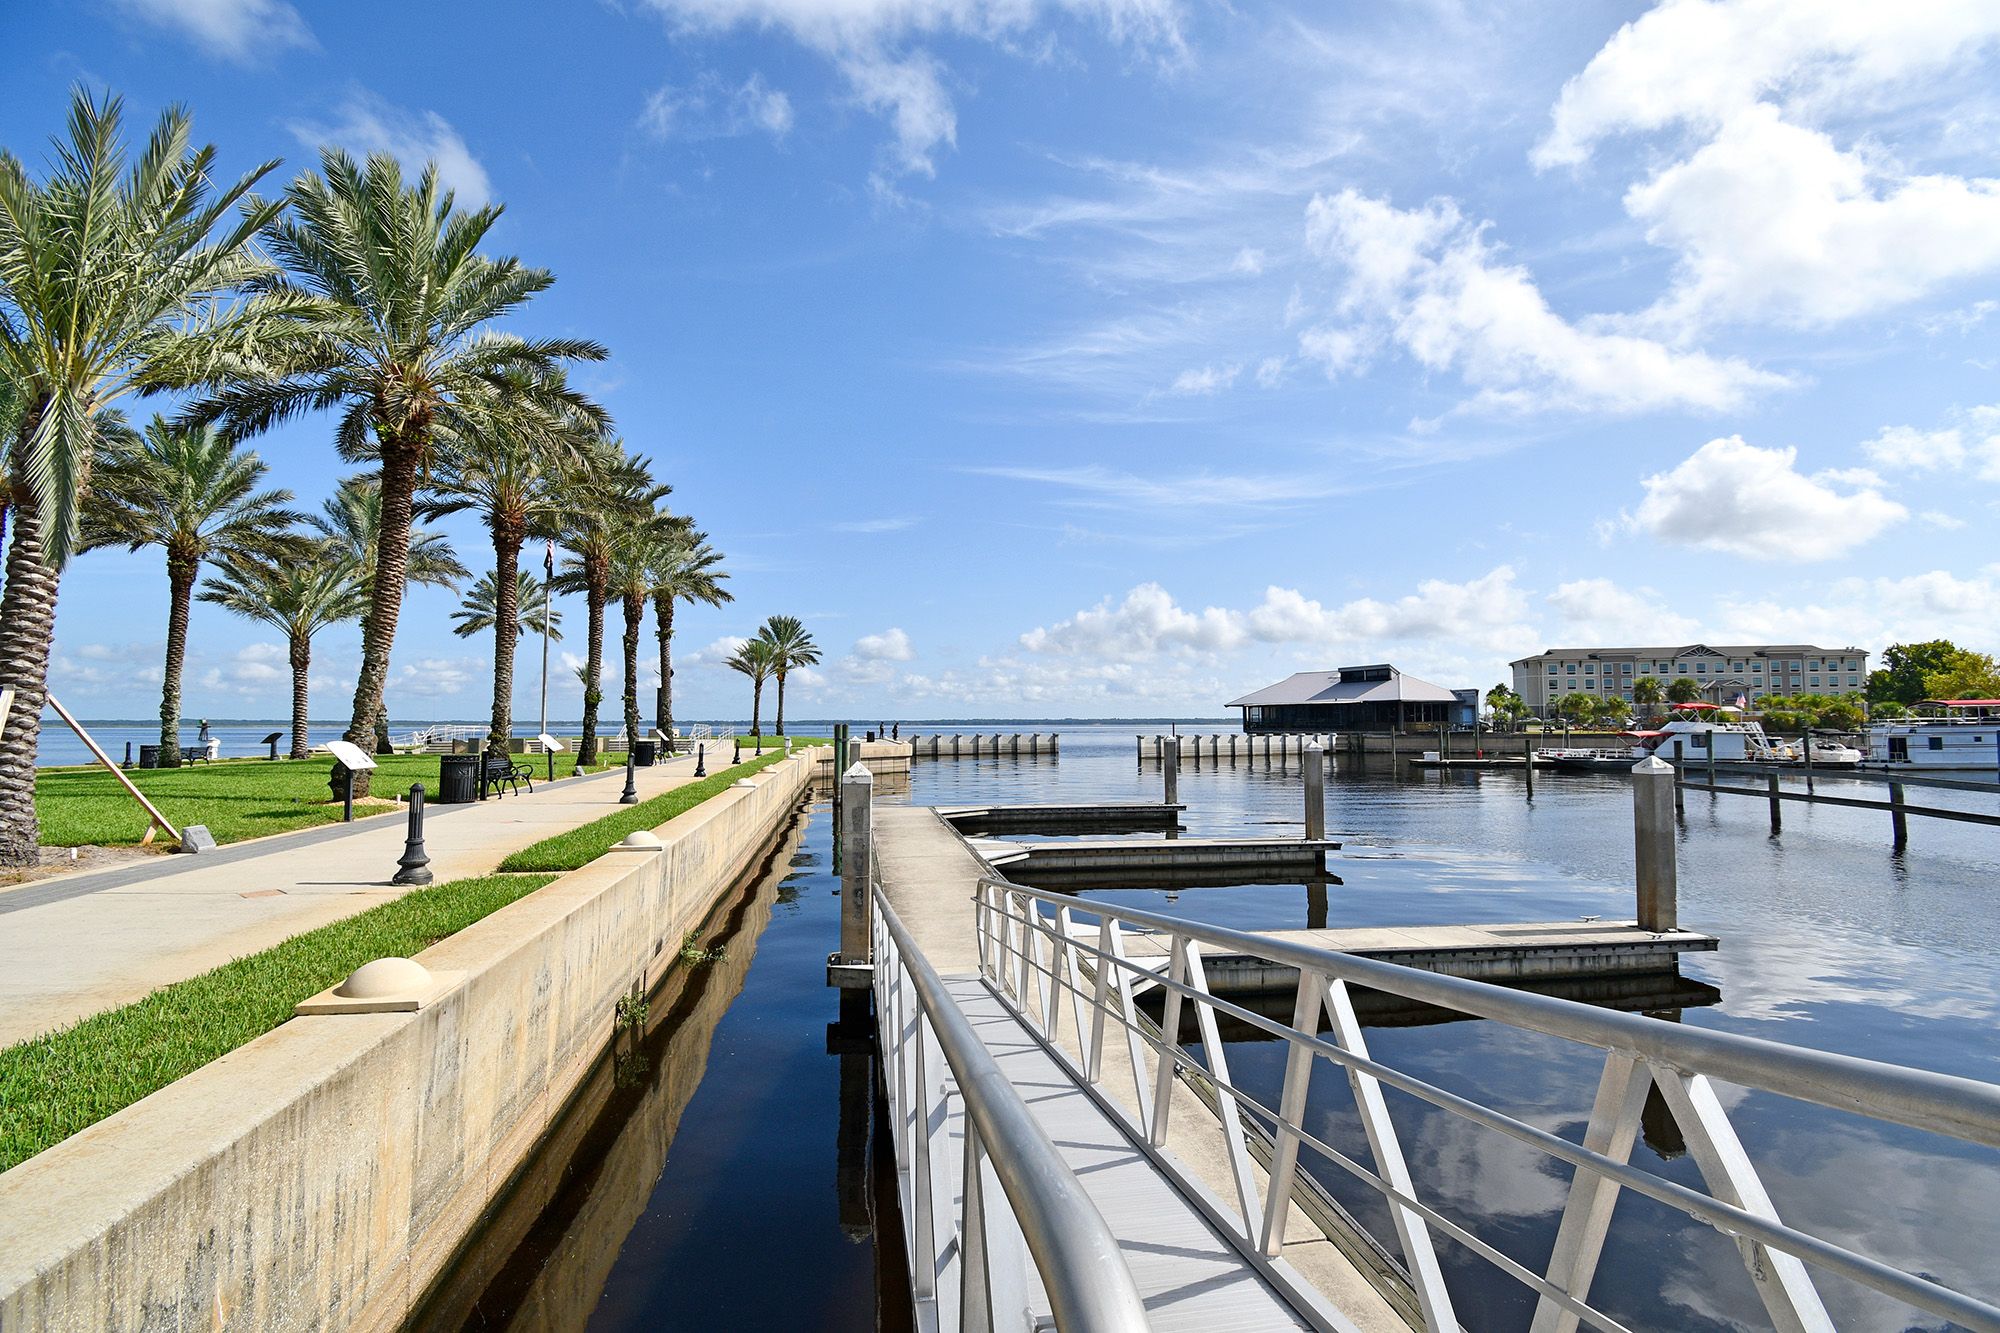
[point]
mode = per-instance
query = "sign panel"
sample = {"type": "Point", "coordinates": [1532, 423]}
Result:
{"type": "Point", "coordinates": [350, 755]}
{"type": "Point", "coordinates": [550, 743]}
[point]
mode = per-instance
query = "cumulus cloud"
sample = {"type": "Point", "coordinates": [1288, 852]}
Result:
{"type": "Point", "coordinates": [1773, 222]}
{"type": "Point", "coordinates": [239, 30]}
{"type": "Point", "coordinates": [439, 677]}
{"type": "Point", "coordinates": [891, 645]}
{"type": "Point", "coordinates": [1426, 280]}
{"type": "Point", "coordinates": [1771, 218]}
{"type": "Point", "coordinates": [709, 109]}
{"type": "Point", "coordinates": [1733, 497]}
{"type": "Point", "coordinates": [368, 124]}
{"type": "Point", "coordinates": [1938, 603]}
{"type": "Point", "coordinates": [1486, 613]}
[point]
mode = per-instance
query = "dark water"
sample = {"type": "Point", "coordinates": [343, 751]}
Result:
{"type": "Point", "coordinates": [724, 1171]}
{"type": "Point", "coordinates": [1829, 939]}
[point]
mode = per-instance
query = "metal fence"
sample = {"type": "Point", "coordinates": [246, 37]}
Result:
{"type": "Point", "coordinates": [972, 1225]}
{"type": "Point", "coordinates": [1074, 984]}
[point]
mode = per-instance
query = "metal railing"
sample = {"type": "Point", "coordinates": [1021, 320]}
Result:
{"type": "Point", "coordinates": [1047, 968]}
{"type": "Point", "coordinates": [972, 1226]}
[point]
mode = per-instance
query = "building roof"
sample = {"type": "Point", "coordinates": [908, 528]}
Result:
{"type": "Point", "coordinates": [1345, 686]}
{"type": "Point", "coordinates": [1719, 649]}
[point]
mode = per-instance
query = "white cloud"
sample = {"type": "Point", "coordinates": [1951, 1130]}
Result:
{"type": "Point", "coordinates": [439, 677]}
{"type": "Point", "coordinates": [1426, 280]}
{"type": "Point", "coordinates": [1940, 520]}
{"type": "Point", "coordinates": [1248, 260]}
{"type": "Point", "coordinates": [875, 525]}
{"type": "Point", "coordinates": [1600, 611]}
{"type": "Point", "coordinates": [870, 42]}
{"type": "Point", "coordinates": [891, 645]}
{"type": "Point", "coordinates": [368, 124]}
{"type": "Point", "coordinates": [1703, 62]}
{"type": "Point", "coordinates": [1774, 222]}
{"type": "Point", "coordinates": [708, 109]}
{"type": "Point", "coordinates": [1733, 497]}
{"type": "Point", "coordinates": [1096, 486]}
{"type": "Point", "coordinates": [1771, 218]}
{"type": "Point", "coordinates": [1486, 613]}
{"type": "Point", "coordinates": [239, 30]}
{"type": "Point", "coordinates": [1877, 611]}
{"type": "Point", "coordinates": [1204, 381]}
{"type": "Point", "coordinates": [1270, 372]}
{"type": "Point", "coordinates": [1973, 442]}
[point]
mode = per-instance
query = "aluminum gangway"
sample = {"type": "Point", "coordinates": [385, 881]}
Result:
{"type": "Point", "coordinates": [1199, 1183]}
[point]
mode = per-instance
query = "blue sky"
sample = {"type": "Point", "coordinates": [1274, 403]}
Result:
{"type": "Point", "coordinates": [1115, 357]}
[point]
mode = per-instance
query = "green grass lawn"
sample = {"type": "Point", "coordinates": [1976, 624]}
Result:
{"type": "Point", "coordinates": [62, 1082]}
{"type": "Point", "coordinates": [580, 846]}
{"type": "Point", "coordinates": [236, 799]}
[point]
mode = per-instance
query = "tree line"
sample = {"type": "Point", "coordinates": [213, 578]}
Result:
{"type": "Point", "coordinates": [353, 291]}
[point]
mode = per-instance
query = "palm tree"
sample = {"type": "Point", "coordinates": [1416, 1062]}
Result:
{"type": "Point", "coordinates": [477, 613]}
{"type": "Point", "coordinates": [193, 494]}
{"type": "Point", "coordinates": [601, 495]}
{"type": "Point", "coordinates": [682, 571]}
{"type": "Point", "coordinates": [1647, 695]}
{"type": "Point", "coordinates": [352, 519]}
{"type": "Point", "coordinates": [755, 659]}
{"type": "Point", "coordinates": [791, 646]}
{"type": "Point", "coordinates": [117, 275]}
{"type": "Point", "coordinates": [393, 305]}
{"type": "Point", "coordinates": [308, 586]}
{"type": "Point", "coordinates": [503, 458]}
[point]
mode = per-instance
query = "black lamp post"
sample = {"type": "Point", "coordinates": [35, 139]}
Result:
{"type": "Point", "coordinates": [415, 862]}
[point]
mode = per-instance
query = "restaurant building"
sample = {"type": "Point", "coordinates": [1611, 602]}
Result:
{"type": "Point", "coordinates": [1355, 698]}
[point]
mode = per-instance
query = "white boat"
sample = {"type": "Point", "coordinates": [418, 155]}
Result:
{"type": "Point", "coordinates": [1692, 738]}
{"type": "Point", "coordinates": [1963, 734]}
{"type": "Point", "coordinates": [1832, 754]}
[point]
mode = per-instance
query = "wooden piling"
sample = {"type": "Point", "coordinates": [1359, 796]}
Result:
{"type": "Point", "coordinates": [1899, 823]}
{"type": "Point", "coordinates": [1777, 806]}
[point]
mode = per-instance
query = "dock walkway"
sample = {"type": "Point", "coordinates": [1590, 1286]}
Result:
{"type": "Point", "coordinates": [1189, 1274]}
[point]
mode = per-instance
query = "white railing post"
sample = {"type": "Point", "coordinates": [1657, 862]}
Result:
{"type": "Point", "coordinates": [1306, 1009]}
{"type": "Point", "coordinates": [1614, 1123]}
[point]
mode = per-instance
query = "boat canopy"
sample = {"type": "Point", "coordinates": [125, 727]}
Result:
{"type": "Point", "coordinates": [1694, 708]}
{"type": "Point", "coordinates": [1960, 703]}
{"type": "Point", "coordinates": [1642, 735]}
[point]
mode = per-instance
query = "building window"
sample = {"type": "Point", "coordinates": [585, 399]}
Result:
{"type": "Point", "coordinates": [1854, 680]}
{"type": "Point", "coordinates": [1683, 667]}
{"type": "Point", "coordinates": [1701, 668]}
{"type": "Point", "coordinates": [1814, 682]}
{"type": "Point", "coordinates": [1936, 742]}
{"type": "Point", "coordinates": [1625, 668]}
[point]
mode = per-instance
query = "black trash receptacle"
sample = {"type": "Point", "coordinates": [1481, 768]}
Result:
{"type": "Point", "coordinates": [644, 753]}
{"type": "Point", "coordinates": [149, 756]}
{"type": "Point", "coordinates": [458, 778]}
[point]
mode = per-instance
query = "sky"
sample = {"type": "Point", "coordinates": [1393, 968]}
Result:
{"type": "Point", "coordinates": [1116, 357]}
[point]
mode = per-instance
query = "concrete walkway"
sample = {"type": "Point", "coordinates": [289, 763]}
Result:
{"type": "Point", "coordinates": [72, 946]}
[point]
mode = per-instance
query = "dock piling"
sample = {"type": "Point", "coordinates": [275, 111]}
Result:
{"type": "Point", "coordinates": [1528, 763]}
{"type": "Point", "coordinates": [857, 813]}
{"type": "Point", "coordinates": [1899, 822]}
{"type": "Point", "coordinates": [1170, 769]}
{"type": "Point", "coordinates": [1777, 806]}
{"type": "Point", "coordinates": [1315, 770]}
{"type": "Point", "coordinates": [1654, 787]}
{"type": "Point", "coordinates": [1680, 771]}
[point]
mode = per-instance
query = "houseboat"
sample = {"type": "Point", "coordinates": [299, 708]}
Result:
{"type": "Point", "coordinates": [1960, 734]}
{"type": "Point", "coordinates": [1691, 736]}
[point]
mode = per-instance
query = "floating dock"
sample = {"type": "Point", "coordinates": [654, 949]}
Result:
{"type": "Point", "coordinates": [1220, 747]}
{"type": "Point", "coordinates": [1158, 863]}
{"type": "Point", "coordinates": [1487, 761]}
{"type": "Point", "coordinates": [1092, 817]}
{"type": "Point", "coordinates": [1528, 952]}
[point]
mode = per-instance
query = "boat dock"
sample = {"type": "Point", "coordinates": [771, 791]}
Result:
{"type": "Point", "coordinates": [1220, 747]}
{"type": "Point", "coordinates": [1090, 817]}
{"type": "Point", "coordinates": [1159, 862]}
{"type": "Point", "coordinates": [1064, 1153]}
{"type": "Point", "coordinates": [993, 745]}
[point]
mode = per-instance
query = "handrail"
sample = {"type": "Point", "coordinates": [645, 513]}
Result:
{"type": "Point", "coordinates": [1089, 1287]}
{"type": "Point", "coordinates": [1918, 1098]}
{"type": "Point", "coordinates": [1038, 959]}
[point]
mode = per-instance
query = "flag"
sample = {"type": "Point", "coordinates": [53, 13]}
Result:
{"type": "Point", "coordinates": [549, 558]}
{"type": "Point", "coordinates": [1742, 700]}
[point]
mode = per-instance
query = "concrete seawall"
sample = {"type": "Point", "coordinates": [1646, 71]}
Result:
{"type": "Point", "coordinates": [322, 1175]}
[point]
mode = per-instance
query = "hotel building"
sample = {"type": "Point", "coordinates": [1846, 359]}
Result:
{"type": "Point", "coordinates": [1723, 671]}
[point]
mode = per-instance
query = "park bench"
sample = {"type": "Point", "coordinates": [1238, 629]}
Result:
{"type": "Point", "coordinates": [501, 771]}
{"type": "Point", "coordinates": [196, 753]}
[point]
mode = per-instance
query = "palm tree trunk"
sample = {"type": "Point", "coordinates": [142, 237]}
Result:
{"type": "Point", "coordinates": [756, 707]}
{"type": "Point", "coordinates": [586, 748]}
{"type": "Point", "coordinates": [385, 604]}
{"type": "Point", "coordinates": [301, 654]}
{"type": "Point", "coordinates": [180, 582]}
{"type": "Point", "coordinates": [27, 626]}
{"type": "Point", "coordinates": [780, 725]}
{"type": "Point", "coordinates": [506, 633]}
{"type": "Point", "coordinates": [635, 612]}
{"type": "Point", "coordinates": [663, 626]}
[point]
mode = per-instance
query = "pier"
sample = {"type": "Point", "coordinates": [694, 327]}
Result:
{"type": "Point", "coordinates": [1229, 747]}
{"type": "Point", "coordinates": [1091, 817]}
{"type": "Point", "coordinates": [1082, 1145]}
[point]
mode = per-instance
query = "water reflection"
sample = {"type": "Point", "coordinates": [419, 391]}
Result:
{"type": "Point", "coordinates": [700, 1146]}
